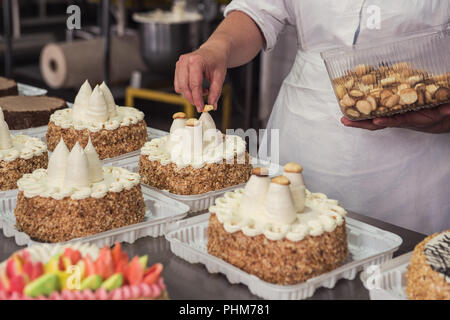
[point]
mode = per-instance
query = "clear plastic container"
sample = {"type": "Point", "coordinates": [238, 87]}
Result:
{"type": "Point", "coordinates": [388, 280]}
{"type": "Point", "coordinates": [200, 202]}
{"type": "Point", "coordinates": [160, 212]}
{"type": "Point", "coordinates": [368, 245]}
{"type": "Point", "coordinates": [27, 90]}
{"type": "Point", "coordinates": [392, 77]}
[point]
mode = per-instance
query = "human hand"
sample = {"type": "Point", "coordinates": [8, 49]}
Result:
{"type": "Point", "coordinates": [436, 120]}
{"type": "Point", "coordinates": [208, 62]}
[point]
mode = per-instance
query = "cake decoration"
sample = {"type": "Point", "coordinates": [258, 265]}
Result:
{"type": "Point", "coordinates": [113, 130]}
{"type": "Point", "coordinates": [194, 158]}
{"type": "Point", "coordinates": [77, 197]}
{"type": "Point", "coordinates": [79, 272]}
{"type": "Point", "coordinates": [437, 251]}
{"type": "Point", "coordinates": [277, 230]}
{"type": "Point", "coordinates": [96, 110]}
{"type": "Point", "coordinates": [428, 275]}
{"type": "Point", "coordinates": [278, 208]}
{"type": "Point", "coordinates": [19, 155]}
{"type": "Point", "coordinates": [194, 142]}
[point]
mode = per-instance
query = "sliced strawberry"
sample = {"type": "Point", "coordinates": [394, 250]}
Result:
{"type": "Point", "coordinates": [76, 257]}
{"type": "Point", "coordinates": [4, 282]}
{"type": "Point", "coordinates": [120, 266]}
{"type": "Point", "coordinates": [89, 267]}
{"type": "Point", "coordinates": [17, 283]}
{"type": "Point", "coordinates": [134, 272]}
{"type": "Point", "coordinates": [104, 263]}
{"type": "Point", "coordinates": [153, 273]}
{"type": "Point", "coordinates": [116, 252]}
{"type": "Point", "coordinates": [38, 270]}
{"type": "Point", "coordinates": [14, 266]}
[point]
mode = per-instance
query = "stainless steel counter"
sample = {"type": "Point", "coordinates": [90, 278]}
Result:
{"type": "Point", "coordinates": [188, 281]}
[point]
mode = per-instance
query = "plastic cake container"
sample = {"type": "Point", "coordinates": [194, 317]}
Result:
{"type": "Point", "coordinates": [161, 211]}
{"type": "Point", "coordinates": [198, 202]}
{"type": "Point", "coordinates": [27, 90]}
{"type": "Point", "coordinates": [368, 245]}
{"type": "Point", "coordinates": [419, 63]}
{"type": "Point", "coordinates": [388, 281]}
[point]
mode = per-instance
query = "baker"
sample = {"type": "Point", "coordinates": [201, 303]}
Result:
{"type": "Point", "coordinates": [395, 169]}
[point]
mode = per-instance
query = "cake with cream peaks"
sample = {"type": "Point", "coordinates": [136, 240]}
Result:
{"type": "Point", "coordinates": [19, 154]}
{"type": "Point", "coordinates": [113, 130]}
{"type": "Point", "coordinates": [277, 230]}
{"type": "Point", "coordinates": [194, 158]}
{"type": "Point", "coordinates": [77, 197]}
{"type": "Point", "coordinates": [80, 272]}
{"type": "Point", "coordinates": [428, 275]}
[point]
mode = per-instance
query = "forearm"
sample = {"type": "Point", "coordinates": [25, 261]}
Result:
{"type": "Point", "coordinates": [238, 37]}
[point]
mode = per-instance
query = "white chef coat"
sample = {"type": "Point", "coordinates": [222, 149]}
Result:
{"type": "Point", "coordinates": [396, 175]}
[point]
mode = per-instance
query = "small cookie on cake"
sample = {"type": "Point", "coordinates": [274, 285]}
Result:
{"type": "Point", "coordinates": [113, 130]}
{"type": "Point", "coordinates": [77, 197]}
{"type": "Point", "coordinates": [428, 276]}
{"type": "Point", "coordinates": [8, 87]}
{"type": "Point", "coordinates": [277, 230]}
{"type": "Point", "coordinates": [19, 155]}
{"type": "Point", "coordinates": [79, 271]}
{"type": "Point", "coordinates": [194, 158]}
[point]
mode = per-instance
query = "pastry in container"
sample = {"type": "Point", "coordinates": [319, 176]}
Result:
{"type": "Point", "coordinates": [195, 158]}
{"type": "Point", "coordinates": [113, 130]}
{"type": "Point", "coordinates": [277, 230]}
{"type": "Point", "coordinates": [391, 77]}
{"type": "Point", "coordinates": [79, 272]}
{"type": "Point", "coordinates": [8, 87]}
{"type": "Point", "coordinates": [19, 155]}
{"type": "Point", "coordinates": [77, 197]}
{"type": "Point", "coordinates": [428, 276]}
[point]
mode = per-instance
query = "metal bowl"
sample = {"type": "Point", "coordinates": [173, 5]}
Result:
{"type": "Point", "coordinates": [163, 43]}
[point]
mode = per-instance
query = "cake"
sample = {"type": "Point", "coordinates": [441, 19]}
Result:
{"type": "Point", "coordinates": [19, 154]}
{"type": "Point", "coordinates": [77, 197]}
{"type": "Point", "coordinates": [428, 276]}
{"type": "Point", "coordinates": [277, 230]}
{"type": "Point", "coordinates": [79, 272]}
{"type": "Point", "coordinates": [113, 130]}
{"type": "Point", "coordinates": [194, 158]}
{"type": "Point", "coordinates": [8, 87]}
{"type": "Point", "coordinates": [23, 112]}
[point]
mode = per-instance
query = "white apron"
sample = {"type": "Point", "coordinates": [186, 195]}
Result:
{"type": "Point", "coordinates": [395, 175]}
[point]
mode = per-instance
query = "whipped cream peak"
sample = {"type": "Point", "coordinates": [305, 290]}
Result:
{"type": "Point", "coordinates": [188, 144]}
{"type": "Point", "coordinates": [297, 187]}
{"type": "Point", "coordinates": [207, 121]}
{"type": "Point", "coordinates": [254, 195]}
{"type": "Point", "coordinates": [57, 164]}
{"type": "Point", "coordinates": [81, 101]}
{"type": "Point", "coordinates": [111, 104]}
{"type": "Point", "coordinates": [95, 165]}
{"type": "Point", "coordinates": [97, 109]}
{"type": "Point", "coordinates": [279, 206]}
{"type": "Point", "coordinates": [5, 137]}
{"type": "Point", "coordinates": [77, 168]}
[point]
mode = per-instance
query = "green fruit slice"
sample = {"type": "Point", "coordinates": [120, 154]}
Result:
{"type": "Point", "coordinates": [113, 282]}
{"type": "Point", "coordinates": [143, 261]}
{"type": "Point", "coordinates": [92, 282]}
{"type": "Point", "coordinates": [43, 285]}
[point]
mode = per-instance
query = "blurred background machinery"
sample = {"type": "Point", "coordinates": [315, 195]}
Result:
{"type": "Point", "coordinates": [136, 57]}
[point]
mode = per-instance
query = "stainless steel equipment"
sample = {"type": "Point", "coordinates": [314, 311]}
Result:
{"type": "Point", "coordinates": [163, 43]}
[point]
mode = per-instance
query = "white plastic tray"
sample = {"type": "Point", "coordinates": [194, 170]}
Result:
{"type": "Point", "coordinates": [199, 202]}
{"type": "Point", "coordinates": [387, 281]}
{"type": "Point", "coordinates": [161, 211]}
{"type": "Point", "coordinates": [27, 90]}
{"type": "Point", "coordinates": [368, 245]}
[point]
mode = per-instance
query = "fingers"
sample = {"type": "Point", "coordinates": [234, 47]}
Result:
{"type": "Point", "coordinates": [181, 81]}
{"type": "Point", "coordinates": [196, 68]}
{"type": "Point", "coordinates": [215, 88]}
{"type": "Point", "coordinates": [365, 124]}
